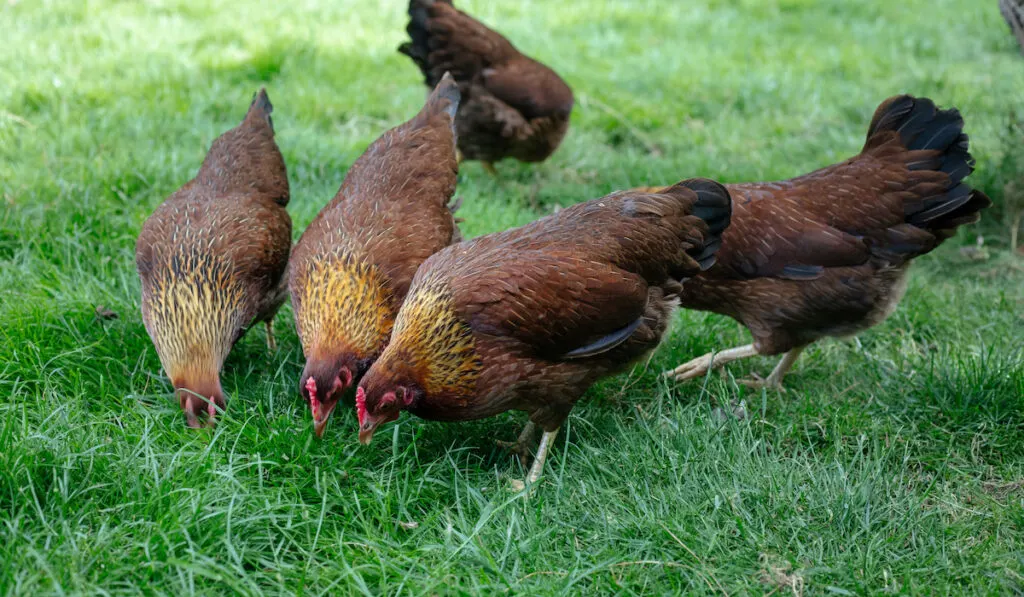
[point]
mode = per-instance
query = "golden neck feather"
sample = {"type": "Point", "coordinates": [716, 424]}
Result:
{"type": "Point", "coordinates": [343, 304]}
{"type": "Point", "coordinates": [431, 338]}
{"type": "Point", "coordinates": [193, 313]}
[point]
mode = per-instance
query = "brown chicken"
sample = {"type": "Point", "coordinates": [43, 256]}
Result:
{"type": "Point", "coordinates": [212, 259]}
{"type": "Point", "coordinates": [353, 265]}
{"type": "Point", "coordinates": [827, 253]}
{"type": "Point", "coordinates": [529, 318]}
{"type": "Point", "coordinates": [512, 105]}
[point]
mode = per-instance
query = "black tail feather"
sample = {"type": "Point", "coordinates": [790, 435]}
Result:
{"type": "Point", "coordinates": [924, 129]}
{"type": "Point", "coordinates": [418, 48]}
{"type": "Point", "coordinates": [921, 126]}
{"type": "Point", "coordinates": [714, 206]}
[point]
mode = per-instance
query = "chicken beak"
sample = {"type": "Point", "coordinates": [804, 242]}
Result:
{"type": "Point", "coordinates": [201, 400]}
{"type": "Point", "coordinates": [320, 418]}
{"type": "Point", "coordinates": [366, 433]}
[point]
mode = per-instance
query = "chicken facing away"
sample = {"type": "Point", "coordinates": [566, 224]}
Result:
{"type": "Point", "coordinates": [826, 254]}
{"type": "Point", "coordinates": [512, 105]}
{"type": "Point", "coordinates": [352, 267]}
{"type": "Point", "coordinates": [529, 318]}
{"type": "Point", "coordinates": [212, 259]}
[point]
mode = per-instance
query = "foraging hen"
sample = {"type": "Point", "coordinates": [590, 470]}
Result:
{"type": "Point", "coordinates": [827, 253]}
{"type": "Point", "coordinates": [529, 318]}
{"type": "Point", "coordinates": [212, 258]}
{"type": "Point", "coordinates": [512, 105]}
{"type": "Point", "coordinates": [353, 265]}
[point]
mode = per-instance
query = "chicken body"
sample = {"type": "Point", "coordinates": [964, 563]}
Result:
{"type": "Point", "coordinates": [512, 105]}
{"type": "Point", "coordinates": [826, 254]}
{"type": "Point", "coordinates": [528, 319]}
{"type": "Point", "coordinates": [212, 258]}
{"type": "Point", "coordinates": [353, 265]}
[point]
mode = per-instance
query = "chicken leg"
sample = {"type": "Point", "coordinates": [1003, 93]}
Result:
{"type": "Point", "coordinates": [271, 343]}
{"type": "Point", "coordinates": [774, 380]}
{"type": "Point", "coordinates": [489, 168]}
{"type": "Point", "coordinates": [542, 454]}
{"type": "Point", "coordinates": [712, 360]}
{"type": "Point", "coordinates": [538, 461]}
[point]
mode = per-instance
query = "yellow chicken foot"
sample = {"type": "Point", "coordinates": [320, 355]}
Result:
{"type": "Point", "coordinates": [538, 461]}
{"type": "Point", "coordinates": [701, 365]}
{"type": "Point", "coordinates": [489, 168]}
{"type": "Point", "coordinates": [542, 454]}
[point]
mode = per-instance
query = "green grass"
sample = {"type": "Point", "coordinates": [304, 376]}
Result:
{"type": "Point", "coordinates": [895, 462]}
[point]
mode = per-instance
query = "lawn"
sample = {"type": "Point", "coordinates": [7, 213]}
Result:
{"type": "Point", "coordinates": [894, 463]}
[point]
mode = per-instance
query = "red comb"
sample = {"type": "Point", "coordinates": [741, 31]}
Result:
{"type": "Point", "coordinates": [361, 405]}
{"type": "Point", "coordinates": [314, 404]}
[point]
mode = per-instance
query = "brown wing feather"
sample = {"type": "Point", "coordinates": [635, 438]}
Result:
{"type": "Point", "coordinates": [894, 201]}
{"type": "Point", "coordinates": [551, 303]}
{"type": "Point", "coordinates": [570, 279]}
{"type": "Point", "coordinates": [771, 235]}
{"type": "Point", "coordinates": [531, 88]}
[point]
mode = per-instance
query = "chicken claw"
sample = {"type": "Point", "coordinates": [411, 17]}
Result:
{"type": "Point", "coordinates": [521, 447]}
{"type": "Point", "coordinates": [756, 382]}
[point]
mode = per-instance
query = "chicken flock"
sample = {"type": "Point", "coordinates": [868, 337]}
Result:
{"type": "Point", "coordinates": [395, 311]}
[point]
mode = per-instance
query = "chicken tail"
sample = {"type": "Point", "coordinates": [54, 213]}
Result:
{"type": "Point", "coordinates": [246, 160]}
{"type": "Point", "coordinates": [418, 48]}
{"type": "Point", "coordinates": [440, 107]}
{"type": "Point", "coordinates": [714, 207]}
{"type": "Point", "coordinates": [260, 108]}
{"type": "Point", "coordinates": [932, 145]}
{"type": "Point", "coordinates": [445, 97]}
